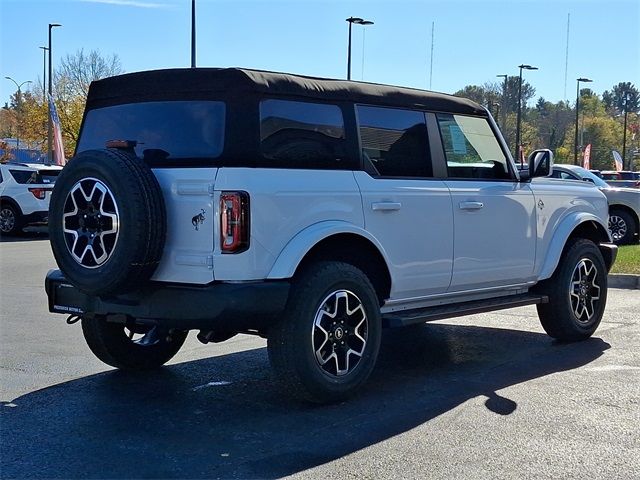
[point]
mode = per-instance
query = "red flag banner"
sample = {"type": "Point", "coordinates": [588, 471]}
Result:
{"type": "Point", "coordinates": [58, 146]}
{"type": "Point", "coordinates": [587, 157]}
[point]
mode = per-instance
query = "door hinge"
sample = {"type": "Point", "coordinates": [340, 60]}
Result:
{"type": "Point", "coordinates": [210, 262]}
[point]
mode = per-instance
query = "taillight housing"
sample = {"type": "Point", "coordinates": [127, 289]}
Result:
{"type": "Point", "coordinates": [39, 193]}
{"type": "Point", "coordinates": [234, 222]}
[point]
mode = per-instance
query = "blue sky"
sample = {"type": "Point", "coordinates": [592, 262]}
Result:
{"type": "Point", "coordinates": [474, 40]}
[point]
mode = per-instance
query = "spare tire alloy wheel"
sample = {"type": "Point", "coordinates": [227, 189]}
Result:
{"type": "Point", "coordinates": [107, 222]}
{"type": "Point", "coordinates": [340, 332]}
{"type": "Point", "coordinates": [90, 222]}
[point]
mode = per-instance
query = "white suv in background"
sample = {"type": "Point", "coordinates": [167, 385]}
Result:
{"type": "Point", "coordinates": [25, 191]}
{"type": "Point", "coordinates": [311, 212]}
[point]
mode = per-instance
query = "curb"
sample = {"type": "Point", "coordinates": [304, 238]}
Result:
{"type": "Point", "coordinates": [623, 280]}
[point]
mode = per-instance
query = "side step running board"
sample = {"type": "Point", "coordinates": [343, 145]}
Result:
{"type": "Point", "coordinates": [410, 317]}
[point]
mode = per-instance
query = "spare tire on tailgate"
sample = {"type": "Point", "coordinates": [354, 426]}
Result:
{"type": "Point", "coordinates": [107, 221]}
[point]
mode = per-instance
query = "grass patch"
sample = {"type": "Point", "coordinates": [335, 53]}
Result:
{"type": "Point", "coordinates": [628, 260]}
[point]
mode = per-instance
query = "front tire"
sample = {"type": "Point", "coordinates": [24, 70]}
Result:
{"type": "Point", "coordinates": [327, 342]}
{"type": "Point", "coordinates": [131, 347]}
{"type": "Point", "coordinates": [577, 293]}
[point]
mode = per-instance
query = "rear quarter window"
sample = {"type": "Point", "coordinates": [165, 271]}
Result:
{"type": "Point", "coordinates": [297, 134]}
{"type": "Point", "coordinates": [24, 176]}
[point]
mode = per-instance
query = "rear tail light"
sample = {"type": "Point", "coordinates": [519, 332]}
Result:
{"type": "Point", "coordinates": [39, 193]}
{"type": "Point", "coordinates": [234, 222]}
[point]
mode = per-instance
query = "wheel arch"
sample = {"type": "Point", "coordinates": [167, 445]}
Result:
{"type": "Point", "coordinates": [336, 241]}
{"type": "Point", "coordinates": [582, 225]}
{"type": "Point", "coordinates": [12, 202]}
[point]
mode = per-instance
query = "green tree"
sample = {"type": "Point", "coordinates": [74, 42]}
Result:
{"type": "Point", "coordinates": [614, 99]}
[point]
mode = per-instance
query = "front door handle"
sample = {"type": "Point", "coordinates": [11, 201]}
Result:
{"type": "Point", "coordinates": [386, 206]}
{"type": "Point", "coordinates": [470, 205]}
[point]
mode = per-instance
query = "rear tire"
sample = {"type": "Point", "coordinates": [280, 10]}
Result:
{"type": "Point", "coordinates": [622, 227]}
{"type": "Point", "coordinates": [326, 344]}
{"type": "Point", "coordinates": [577, 293]}
{"type": "Point", "coordinates": [11, 221]}
{"type": "Point", "coordinates": [117, 345]}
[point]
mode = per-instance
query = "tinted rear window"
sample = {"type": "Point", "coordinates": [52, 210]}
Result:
{"type": "Point", "coordinates": [164, 130]}
{"type": "Point", "coordinates": [24, 176]}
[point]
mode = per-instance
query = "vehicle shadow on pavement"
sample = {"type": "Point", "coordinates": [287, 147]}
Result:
{"type": "Point", "coordinates": [222, 417]}
{"type": "Point", "coordinates": [29, 235]}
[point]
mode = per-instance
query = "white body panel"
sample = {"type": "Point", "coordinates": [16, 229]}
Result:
{"type": "Point", "coordinates": [283, 203]}
{"type": "Point", "coordinates": [413, 221]}
{"type": "Point", "coordinates": [564, 206]}
{"type": "Point", "coordinates": [495, 233]}
{"type": "Point", "coordinates": [188, 252]}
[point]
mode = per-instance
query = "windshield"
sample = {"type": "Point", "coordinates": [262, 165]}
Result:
{"type": "Point", "coordinates": [162, 130]}
{"type": "Point", "coordinates": [583, 173]}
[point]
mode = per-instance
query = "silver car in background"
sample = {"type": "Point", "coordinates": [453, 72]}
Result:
{"type": "Point", "coordinates": [624, 203]}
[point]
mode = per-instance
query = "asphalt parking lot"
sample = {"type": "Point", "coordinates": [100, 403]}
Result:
{"type": "Point", "coordinates": [485, 396]}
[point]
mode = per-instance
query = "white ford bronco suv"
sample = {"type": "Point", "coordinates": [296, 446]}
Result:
{"type": "Point", "coordinates": [311, 212]}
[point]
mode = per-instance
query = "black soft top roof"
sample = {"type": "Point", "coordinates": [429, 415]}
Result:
{"type": "Point", "coordinates": [223, 83]}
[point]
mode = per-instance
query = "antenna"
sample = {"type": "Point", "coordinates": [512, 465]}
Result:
{"type": "Point", "coordinates": [433, 27]}
{"type": "Point", "coordinates": [566, 59]}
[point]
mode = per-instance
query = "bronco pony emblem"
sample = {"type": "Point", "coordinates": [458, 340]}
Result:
{"type": "Point", "coordinates": [198, 219]}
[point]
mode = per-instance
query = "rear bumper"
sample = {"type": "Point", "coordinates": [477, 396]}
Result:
{"type": "Point", "coordinates": [218, 306]}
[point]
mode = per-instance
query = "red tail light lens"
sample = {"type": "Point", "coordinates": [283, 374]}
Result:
{"type": "Point", "coordinates": [39, 193]}
{"type": "Point", "coordinates": [234, 222]}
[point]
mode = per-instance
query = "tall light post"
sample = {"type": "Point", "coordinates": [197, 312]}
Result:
{"type": "Point", "coordinates": [19, 101]}
{"type": "Point", "coordinates": [351, 21]}
{"type": "Point", "coordinates": [49, 124]}
{"type": "Point", "coordinates": [503, 119]}
{"type": "Point", "coordinates": [519, 117]}
{"type": "Point", "coordinates": [575, 146]}
{"type": "Point", "coordinates": [44, 73]}
{"type": "Point", "coordinates": [624, 131]}
{"type": "Point", "coordinates": [193, 33]}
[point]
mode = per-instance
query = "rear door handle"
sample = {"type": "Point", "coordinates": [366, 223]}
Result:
{"type": "Point", "coordinates": [470, 205]}
{"type": "Point", "coordinates": [386, 206]}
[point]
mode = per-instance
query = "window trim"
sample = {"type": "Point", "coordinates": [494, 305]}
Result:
{"type": "Point", "coordinates": [371, 170]}
{"type": "Point", "coordinates": [494, 129]}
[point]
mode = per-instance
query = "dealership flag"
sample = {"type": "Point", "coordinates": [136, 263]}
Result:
{"type": "Point", "coordinates": [587, 156]}
{"type": "Point", "coordinates": [617, 161]}
{"type": "Point", "coordinates": [58, 147]}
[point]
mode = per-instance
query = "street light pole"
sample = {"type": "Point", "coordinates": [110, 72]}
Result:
{"type": "Point", "coordinates": [624, 131]}
{"type": "Point", "coordinates": [519, 116]}
{"type": "Point", "coordinates": [18, 102]}
{"type": "Point", "coordinates": [44, 74]}
{"type": "Point", "coordinates": [575, 146]}
{"type": "Point", "coordinates": [351, 21]}
{"type": "Point", "coordinates": [193, 33]}
{"type": "Point", "coordinates": [49, 124]}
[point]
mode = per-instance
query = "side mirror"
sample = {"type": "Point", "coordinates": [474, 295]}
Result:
{"type": "Point", "coordinates": [541, 163]}
{"type": "Point", "coordinates": [587, 179]}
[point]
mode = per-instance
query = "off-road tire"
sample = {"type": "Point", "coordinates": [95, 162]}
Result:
{"type": "Point", "coordinates": [9, 212]}
{"type": "Point", "coordinates": [291, 348]}
{"type": "Point", "coordinates": [111, 344]}
{"type": "Point", "coordinates": [141, 227]}
{"type": "Point", "coordinates": [558, 317]}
